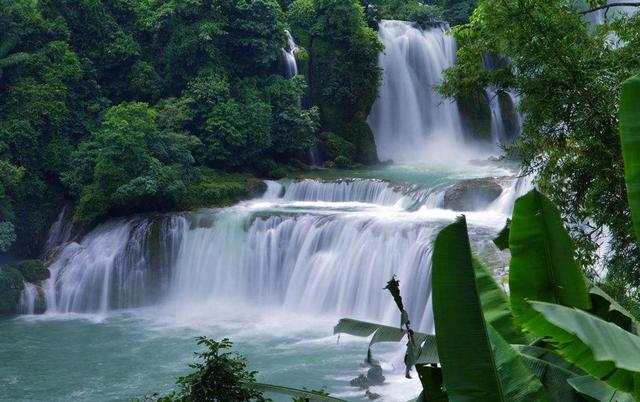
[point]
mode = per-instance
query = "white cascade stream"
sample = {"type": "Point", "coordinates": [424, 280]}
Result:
{"type": "Point", "coordinates": [411, 122]}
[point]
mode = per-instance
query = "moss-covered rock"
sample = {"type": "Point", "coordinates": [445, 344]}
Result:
{"type": "Point", "coordinates": [476, 115]}
{"type": "Point", "coordinates": [471, 195]}
{"type": "Point", "coordinates": [218, 189]}
{"type": "Point", "coordinates": [31, 270]}
{"type": "Point", "coordinates": [342, 162]}
{"type": "Point", "coordinates": [360, 134]}
{"type": "Point", "coordinates": [333, 146]}
{"type": "Point", "coordinates": [11, 286]}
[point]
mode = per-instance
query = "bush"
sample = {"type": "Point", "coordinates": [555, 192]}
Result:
{"type": "Point", "coordinates": [219, 375]}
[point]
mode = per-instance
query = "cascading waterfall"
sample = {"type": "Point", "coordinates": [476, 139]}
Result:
{"type": "Point", "coordinates": [289, 57]}
{"type": "Point", "coordinates": [505, 124]}
{"type": "Point", "coordinates": [311, 263]}
{"type": "Point", "coordinates": [329, 262]}
{"type": "Point", "coordinates": [61, 230]}
{"type": "Point", "coordinates": [410, 120]}
{"type": "Point", "coordinates": [371, 191]}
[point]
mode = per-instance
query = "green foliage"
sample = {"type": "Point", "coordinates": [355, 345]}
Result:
{"type": "Point", "coordinates": [586, 341]}
{"type": "Point", "coordinates": [219, 375]}
{"type": "Point", "coordinates": [11, 285]}
{"type": "Point", "coordinates": [477, 363]}
{"type": "Point", "coordinates": [125, 106]}
{"type": "Point", "coordinates": [569, 79]}
{"type": "Point", "coordinates": [542, 266]}
{"type": "Point", "coordinates": [31, 270]}
{"type": "Point", "coordinates": [495, 305]}
{"type": "Point", "coordinates": [343, 70]}
{"type": "Point", "coordinates": [630, 142]}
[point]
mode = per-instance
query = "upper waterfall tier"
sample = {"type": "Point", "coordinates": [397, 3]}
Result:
{"type": "Point", "coordinates": [410, 120]}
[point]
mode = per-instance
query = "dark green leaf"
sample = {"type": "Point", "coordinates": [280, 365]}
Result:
{"type": "Point", "coordinates": [542, 265]}
{"type": "Point", "coordinates": [630, 141]}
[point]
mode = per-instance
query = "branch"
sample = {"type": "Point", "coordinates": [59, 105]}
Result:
{"type": "Point", "coordinates": [608, 6]}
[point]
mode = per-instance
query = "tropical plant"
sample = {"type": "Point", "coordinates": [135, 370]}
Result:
{"type": "Point", "coordinates": [585, 346]}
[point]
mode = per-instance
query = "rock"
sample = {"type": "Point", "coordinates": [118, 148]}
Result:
{"type": "Point", "coordinates": [372, 395]}
{"type": "Point", "coordinates": [11, 286]}
{"type": "Point", "coordinates": [32, 270]}
{"type": "Point", "coordinates": [472, 195]}
{"type": "Point", "coordinates": [360, 382]}
{"type": "Point", "coordinates": [374, 375]}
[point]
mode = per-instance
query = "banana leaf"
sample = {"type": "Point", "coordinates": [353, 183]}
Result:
{"type": "Point", "coordinates": [477, 364]}
{"type": "Point", "coordinates": [542, 265]}
{"type": "Point", "coordinates": [495, 305]}
{"type": "Point", "coordinates": [431, 379]}
{"type": "Point", "coordinates": [600, 348]}
{"type": "Point", "coordinates": [553, 371]}
{"type": "Point", "coordinates": [298, 393]}
{"type": "Point", "coordinates": [385, 333]}
{"type": "Point", "coordinates": [605, 307]}
{"type": "Point", "coordinates": [630, 142]}
{"type": "Point", "coordinates": [598, 390]}
{"type": "Point", "coordinates": [502, 241]}
{"type": "Point", "coordinates": [549, 356]}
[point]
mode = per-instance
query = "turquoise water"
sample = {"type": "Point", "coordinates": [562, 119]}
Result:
{"type": "Point", "coordinates": [129, 355]}
{"type": "Point", "coordinates": [118, 356]}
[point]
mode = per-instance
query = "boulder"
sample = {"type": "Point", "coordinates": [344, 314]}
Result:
{"type": "Point", "coordinates": [472, 195]}
{"type": "Point", "coordinates": [11, 286]}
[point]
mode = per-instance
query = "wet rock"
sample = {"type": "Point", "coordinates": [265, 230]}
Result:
{"type": "Point", "coordinates": [361, 382]}
{"type": "Point", "coordinates": [374, 377]}
{"type": "Point", "coordinates": [372, 395]}
{"type": "Point", "coordinates": [472, 195]}
{"type": "Point", "coordinates": [11, 285]}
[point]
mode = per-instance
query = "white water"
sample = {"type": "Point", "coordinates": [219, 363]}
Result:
{"type": "Point", "coordinates": [410, 120]}
{"type": "Point", "coordinates": [500, 133]}
{"type": "Point", "coordinates": [289, 57]}
{"type": "Point", "coordinates": [284, 267]}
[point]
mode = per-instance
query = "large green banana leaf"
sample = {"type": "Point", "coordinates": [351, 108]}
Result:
{"type": "Point", "coordinates": [542, 265]}
{"type": "Point", "coordinates": [630, 141]}
{"type": "Point", "coordinates": [553, 371]}
{"type": "Point", "coordinates": [600, 348]}
{"type": "Point", "coordinates": [605, 307]}
{"type": "Point", "coordinates": [299, 393]}
{"type": "Point", "coordinates": [478, 365]}
{"type": "Point", "coordinates": [385, 333]}
{"type": "Point", "coordinates": [431, 379]}
{"type": "Point", "coordinates": [598, 390]}
{"type": "Point", "coordinates": [495, 305]}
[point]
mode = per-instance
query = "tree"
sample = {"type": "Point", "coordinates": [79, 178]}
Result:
{"type": "Point", "coordinates": [569, 79]}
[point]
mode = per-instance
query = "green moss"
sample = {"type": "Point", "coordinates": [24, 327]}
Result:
{"type": "Point", "coordinates": [31, 270]}
{"type": "Point", "coordinates": [343, 162]}
{"type": "Point", "coordinates": [476, 115]}
{"type": "Point", "coordinates": [11, 286]}
{"type": "Point", "coordinates": [218, 189]}
{"type": "Point", "coordinates": [333, 146]}
{"type": "Point", "coordinates": [361, 135]}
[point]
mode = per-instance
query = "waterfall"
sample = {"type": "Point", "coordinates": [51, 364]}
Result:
{"type": "Point", "coordinates": [410, 120]}
{"type": "Point", "coordinates": [29, 299]}
{"type": "Point", "coordinates": [505, 124]}
{"type": "Point", "coordinates": [369, 191]}
{"type": "Point", "coordinates": [289, 57]}
{"type": "Point", "coordinates": [119, 264]}
{"type": "Point", "coordinates": [61, 230]}
{"type": "Point", "coordinates": [512, 190]}
{"type": "Point", "coordinates": [312, 263]}
{"type": "Point", "coordinates": [406, 197]}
